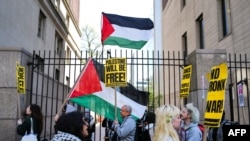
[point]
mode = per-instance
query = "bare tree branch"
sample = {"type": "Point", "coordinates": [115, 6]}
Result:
{"type": "Point", "coordinates": [90, 40]}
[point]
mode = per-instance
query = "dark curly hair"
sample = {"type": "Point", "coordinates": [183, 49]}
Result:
{"type": "Point", "coordinates": [71, 123]}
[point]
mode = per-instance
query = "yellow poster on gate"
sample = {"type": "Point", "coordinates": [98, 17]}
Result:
{"type": "Point", "coordinates": [185, 82]}
{"type": "Point", "coordinates": [116, 72]}
{"type": "Point", "coordinates": [20, 78]}
{"type": "Point", "coordinates": [216, 95]}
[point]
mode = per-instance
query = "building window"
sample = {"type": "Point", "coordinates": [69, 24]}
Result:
{"type": "Point", "coordinates": [39, 63]}
{"type": "Point", "coordinates": [58, 44]}
{"type": "Point", "coordinates": [57, 74]}
{"type": "Point", "coordinates": [183, 3]}
{"type": "Point", "coordinates": [41, 25]}
{"type": "Point", "coordinates": [68, 55]}
{"type": "Point", "coordinates": [67, 21]}
{"type": "Point", "coordinates": [67, 81]}
{"type": "Point", "coordinates": [224, 18]}
{"type": "Point", "coordinates": [57, 4]}
{"type": "Point", "coordinates": [200, 31]}
{"type": "Point", "coordinates": [184, 45]}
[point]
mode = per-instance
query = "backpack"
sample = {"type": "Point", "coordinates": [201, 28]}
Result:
{"type": "Point", "coordinates": [217, 133]}
{"type": "Point", "coordinates": [202, 129]}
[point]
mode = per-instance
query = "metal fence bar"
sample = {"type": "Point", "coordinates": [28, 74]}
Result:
{"type": "Point", "coordinates": [239, 70]}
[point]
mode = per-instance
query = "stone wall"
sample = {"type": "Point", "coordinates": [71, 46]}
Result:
{"type": "Point", "coordinates": [9, 98]}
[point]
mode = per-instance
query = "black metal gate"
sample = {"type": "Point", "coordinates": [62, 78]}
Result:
{"type": "Point", "coordinates": [53, 74]}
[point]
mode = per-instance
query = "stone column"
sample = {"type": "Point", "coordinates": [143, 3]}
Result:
{"type": "Point", "coordinates": [202, 60]}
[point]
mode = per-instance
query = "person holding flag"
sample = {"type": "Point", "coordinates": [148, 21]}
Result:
{"type": "Point", "coordinates": [71, 126]}
{"type": "Point", "coordinates": [125, 131]}
{"type": "Point", "coordinates": [98, 98]}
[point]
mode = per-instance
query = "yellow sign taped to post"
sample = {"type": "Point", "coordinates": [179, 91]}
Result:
{"type": "Point", "coordinates": [185, 82]}
{"type": "Point", "coordinates": [216, 95]}
{"type": "Point", "coordinates": [20, 78]}
{"type": "Point", "coordinates": [116, 72]}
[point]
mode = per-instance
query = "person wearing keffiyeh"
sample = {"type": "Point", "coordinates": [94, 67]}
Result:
{"type": "Point", "coordinates": [71, 127]}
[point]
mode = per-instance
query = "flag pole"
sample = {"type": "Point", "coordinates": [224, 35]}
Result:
{"type": "Point", "coordinates": [19, 109]}
{"type": "Point", "coordinates": [18, 98]}
{"type": "Point", "coordinates": [115, 104]}
{"type": "Point", "coordinates": [115, 99]}
{"type": "Point", "coordinates": [69, 94]}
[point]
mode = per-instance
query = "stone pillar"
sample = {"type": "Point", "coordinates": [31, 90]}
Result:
{"type": "Point", "coordinates": [8, 90]}
{"type": "Point", "coordinates": [202, 60]}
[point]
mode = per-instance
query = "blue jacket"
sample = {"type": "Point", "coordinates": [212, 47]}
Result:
{"type": "Point", "coordinates": [191, 133]}
{"type": "Point", "coordinates": [126, 131]}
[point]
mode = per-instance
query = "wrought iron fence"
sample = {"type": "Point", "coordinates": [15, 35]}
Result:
{"type": "Point", "coordinates": [153, 78]}
{"type": "Point", "coordinates": [239, 69]}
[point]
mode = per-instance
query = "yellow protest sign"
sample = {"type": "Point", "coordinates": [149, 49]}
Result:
{"type": "Point", "coordinates": [185, 82]}
{"type": "Point", "coordinates": [116, 72]}
{"type": "Point", "coordinates": [20, 78]}
{"type": "Point", "coordinates": [216, 95]}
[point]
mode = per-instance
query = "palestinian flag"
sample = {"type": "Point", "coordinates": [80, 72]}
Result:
{"type": "Point", "coordinates": [87, 82]}
{"type": "Point", "coordinates": [127, 32]}
{"type": "Point", "coordinates": [91, 93]}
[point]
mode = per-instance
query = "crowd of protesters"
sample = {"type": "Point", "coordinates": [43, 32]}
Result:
{"type": "Point", "coordinates": [169, 123]}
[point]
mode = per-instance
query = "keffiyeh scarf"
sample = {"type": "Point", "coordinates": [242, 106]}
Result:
{"type": "Point", "coordinates": [62, 136]}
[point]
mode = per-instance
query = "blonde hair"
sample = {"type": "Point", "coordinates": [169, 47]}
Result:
{"type": "Point", "coordinates": [163, 124]}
